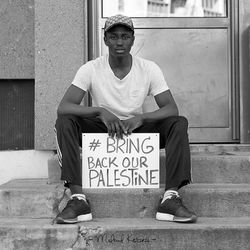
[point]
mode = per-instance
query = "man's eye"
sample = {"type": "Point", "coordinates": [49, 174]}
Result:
{"type": "Point", "coordinates": [125, 37]}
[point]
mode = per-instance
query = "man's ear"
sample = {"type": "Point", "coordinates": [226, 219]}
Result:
{"type": "Point", "coordinates": [105, 40]}
{"type": "Point", "coordinates": [133, 40]}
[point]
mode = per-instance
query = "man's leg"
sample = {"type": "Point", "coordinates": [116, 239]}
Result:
{"type": "Point", "coordinates": [69, 131]}
{"type": "Point", "coordinates": [174, 138]}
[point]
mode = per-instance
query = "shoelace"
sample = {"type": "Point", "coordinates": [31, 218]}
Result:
{"type": "Point", "coordinates": [177, 199]}
{"type": "Point", "coordinates": [170, 194]}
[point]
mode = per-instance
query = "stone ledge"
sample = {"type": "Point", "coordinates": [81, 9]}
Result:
{"type": "Point", "coordinates": [130, 233]}
{"type": "Point", "coordinates": [207, 167]}
{"type": "Point", "coordinates": [37, 199]}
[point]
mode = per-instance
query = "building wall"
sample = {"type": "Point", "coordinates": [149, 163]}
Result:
{"type": "Point", "coordinates": [17, 39]}
{"type": "Point", "coordinates": [22, 164]}
{"type": "Point", "coordinates": [17, 74]}
{"type": "Point", "coordinates": [60, 49]}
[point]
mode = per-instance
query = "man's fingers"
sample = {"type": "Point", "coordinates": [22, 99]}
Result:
{"type": "Point", "coordinates": [113, 129]}
{"type": "Point", "coordinates": [124, 128]}
{"type": "Point", "coordinates": [109, 129]}
{"type": "Point", "coordinates": [118, 130]}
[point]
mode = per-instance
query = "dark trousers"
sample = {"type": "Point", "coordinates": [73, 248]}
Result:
{"type": "Point", "coordinates": [173, 137]}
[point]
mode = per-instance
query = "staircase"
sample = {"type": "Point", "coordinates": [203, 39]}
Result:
{"type": "Point", "coordinates": [125, 218]}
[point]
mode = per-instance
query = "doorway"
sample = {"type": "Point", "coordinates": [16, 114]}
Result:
{"type": "Point", "coordinates": [193, 41]}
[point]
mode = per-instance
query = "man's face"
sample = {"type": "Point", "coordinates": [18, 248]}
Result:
{"type": "Point", "coordinates": [119, 40]}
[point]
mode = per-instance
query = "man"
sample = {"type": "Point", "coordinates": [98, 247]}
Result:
{"type": "Point", "coordinates": [119, 84]}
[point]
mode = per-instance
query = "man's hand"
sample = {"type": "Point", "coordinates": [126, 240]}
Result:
{"type": "Point", "coordinates": [113, 123]}
{"type": "Point", "coordinates": [133, 123]}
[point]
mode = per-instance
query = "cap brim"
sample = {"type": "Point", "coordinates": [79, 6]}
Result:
{"type": "Point", "coordinates": [119, 23]}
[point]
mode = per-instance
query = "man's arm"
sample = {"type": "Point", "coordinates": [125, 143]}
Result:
{"type": "Point", "coordinates": [167, 107]}
{"type": "Point", "coordinates": [70, 105]}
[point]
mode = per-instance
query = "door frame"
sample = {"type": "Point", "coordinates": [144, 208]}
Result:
{"type": "Point", "coordinates": [230, 22]}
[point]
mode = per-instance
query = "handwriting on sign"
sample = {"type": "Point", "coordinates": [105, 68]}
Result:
{"type": "Point", "coordinates": [122, 238]}
{"type": "Point", "coordinates": [130, 162]}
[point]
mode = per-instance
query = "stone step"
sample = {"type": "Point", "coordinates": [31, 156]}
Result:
{"type": "Point", "coordinates": [129, 234]}
{"type": "Point", "coordinates": [38, 199]}
{"type": "Point", "coordinates": [231, 167]}
{"type": "Point", "coordinates": [207, 167]}
{"type": "Point", "coordinates": [208, 200]}
{"type": "Point", "coordinates": [219, 148]}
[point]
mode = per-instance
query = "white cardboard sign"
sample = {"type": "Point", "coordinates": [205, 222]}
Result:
{"type": "Point", "coordinates": [131, 162]}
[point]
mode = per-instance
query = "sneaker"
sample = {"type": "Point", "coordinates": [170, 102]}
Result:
{"type": "Point", "coordinates": [76, 210]}
{"type": "Point", "coordinates": [170, 208]}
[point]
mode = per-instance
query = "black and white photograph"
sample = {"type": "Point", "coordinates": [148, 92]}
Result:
{"type": "Point", "coordinates": [124, 124]}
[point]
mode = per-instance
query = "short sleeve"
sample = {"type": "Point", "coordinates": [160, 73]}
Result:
{"type": "Point", "coordinates": [83, 77]}
{"type": "Point", "coordinates": [158, 83]}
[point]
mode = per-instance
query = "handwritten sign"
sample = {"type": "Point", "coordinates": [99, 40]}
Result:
{"type": "Point", "coordinates": [131, 162]}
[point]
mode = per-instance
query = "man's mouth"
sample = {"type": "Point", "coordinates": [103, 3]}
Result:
{"type": "Point", "coordinates": [120, 50]}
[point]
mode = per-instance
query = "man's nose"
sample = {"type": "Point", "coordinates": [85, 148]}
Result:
{"type": "Point", "coordinates": [119, 41]}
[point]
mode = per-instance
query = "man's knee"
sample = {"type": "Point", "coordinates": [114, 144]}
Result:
{"type": "Point", "coordinates": [181, 125]}
{"type": "Point", "coordinates": [178, 124]}
{"type": "Point", "coordinates": [178, 120]}
{"type": "Point", "coordinates": [182, 122]}
{"type": "Point", "coordinates": [65, 121]}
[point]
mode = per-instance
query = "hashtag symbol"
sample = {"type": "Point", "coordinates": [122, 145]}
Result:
{"type": "Point", "coordinates": [94, 144]}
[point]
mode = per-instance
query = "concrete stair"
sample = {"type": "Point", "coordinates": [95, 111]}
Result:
{"type": "Point", "coordinates": [124, 218]}
{"type": "Point", "coordinates": [35, 198]}
{"type": "Point", "coordinates": [129, 233]}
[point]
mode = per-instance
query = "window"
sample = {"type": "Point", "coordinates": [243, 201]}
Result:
{"type": "Point", "coordinates": [165, 8]}
{"type": "Point", "coordinates": [17, 114]}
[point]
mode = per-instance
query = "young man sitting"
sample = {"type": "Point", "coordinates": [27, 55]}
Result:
{"type": "Point", "coordinates": [118, 84]}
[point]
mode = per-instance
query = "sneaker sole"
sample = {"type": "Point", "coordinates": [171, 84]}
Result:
{"type": "Point", "coordinates": [170, 217]}
{"type": "Point", "coordinates": [80, 218]}
{"type": "Point", "coordinates": [84, 217]}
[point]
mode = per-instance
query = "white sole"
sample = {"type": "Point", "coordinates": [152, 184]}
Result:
{"type": "Point", "coordinates": [163, 216]}
{"type": "Point", "coordinates": [80, 218]}
{"type": "Point", "coordinates": [170, 217]}
{"type": "Point", "coordinates": [84, 217]}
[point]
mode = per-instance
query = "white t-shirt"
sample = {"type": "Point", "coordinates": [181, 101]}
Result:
{"type": "Point", "coordinates": [125, 97]}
